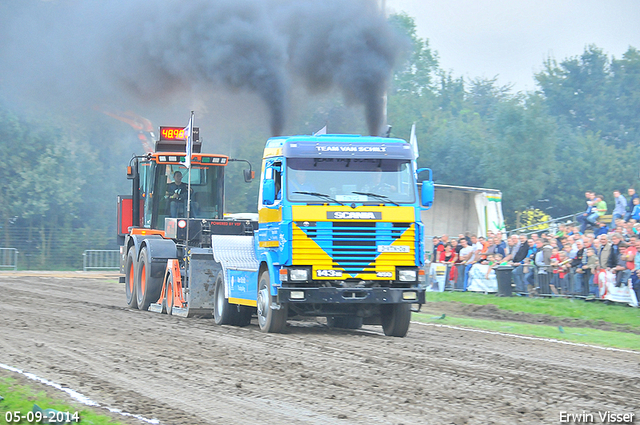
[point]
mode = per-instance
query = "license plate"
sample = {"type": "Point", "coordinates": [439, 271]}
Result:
{"type": "Point", "coordinates": [394, 248]}
{"type": "Point", "coordinates": [328, 273]}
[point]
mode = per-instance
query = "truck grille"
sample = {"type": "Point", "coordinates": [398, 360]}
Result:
{"type": "Point", "coordinates": [353, 246]}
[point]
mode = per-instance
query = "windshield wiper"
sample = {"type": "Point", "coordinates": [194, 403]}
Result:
{"type": "Point", "coordinates": [375, 195]}
{"type": "Point", "coordinates": [322, 195]}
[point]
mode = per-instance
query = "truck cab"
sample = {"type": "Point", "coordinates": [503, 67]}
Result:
{"type": "Point", "coordinates": [339, 232]}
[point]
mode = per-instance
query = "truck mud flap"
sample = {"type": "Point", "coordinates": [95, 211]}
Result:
{"type": "Point", "coordinates": [200, 294]}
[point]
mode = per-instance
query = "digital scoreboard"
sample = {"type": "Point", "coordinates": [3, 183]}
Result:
{"type": "Point", "coordinates": [177, 133]}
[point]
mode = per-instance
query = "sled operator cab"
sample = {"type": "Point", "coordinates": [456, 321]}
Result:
{"type": "Point", "coordinates": [160, 186]}
{"type": "Point", "coordinates": [164, 185]}
{"type": "Point", "coordinates": [165, 225]}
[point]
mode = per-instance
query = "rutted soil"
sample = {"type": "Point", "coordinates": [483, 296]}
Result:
{"type": "Point", "coordinates": [78, 332]}
{"type": "Point", "coordinates": [490, 311]}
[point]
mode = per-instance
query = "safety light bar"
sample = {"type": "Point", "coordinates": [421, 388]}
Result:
{"type": "Point", "coordinates": [200, 159]}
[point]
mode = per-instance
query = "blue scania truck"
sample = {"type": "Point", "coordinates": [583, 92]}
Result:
{"type": "Point", "coordinates": [338, 235]}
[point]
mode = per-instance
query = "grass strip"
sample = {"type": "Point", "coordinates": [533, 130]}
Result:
{"type": "Point", "coordinates": [556, 306]}
{"type": "Point", "coordinates": [21, 398]}
{"type": "Point", "coordinates": [579, 335]}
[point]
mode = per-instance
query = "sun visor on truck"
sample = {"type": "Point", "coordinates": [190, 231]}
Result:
{"type": "Point", "coordinates": [305, 149]}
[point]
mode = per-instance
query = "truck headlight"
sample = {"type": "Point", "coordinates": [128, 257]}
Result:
{"type": "Point", "coordinates": [407, 275]}
{"type": "Point", "coordinates": [298, 274]}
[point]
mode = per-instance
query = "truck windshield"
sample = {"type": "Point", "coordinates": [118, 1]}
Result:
{"type": "Point", "coordinates": [376, 180]}
{"type": "Point", "coordinates": [168, 194]}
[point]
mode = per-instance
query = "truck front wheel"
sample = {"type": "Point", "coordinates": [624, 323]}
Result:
{"type": "Point", "coordinates": [270, 320]}
{"type": "Point", "coordinates": [130, 278]}
{"type": "Point", "coordinates": [396, 319]}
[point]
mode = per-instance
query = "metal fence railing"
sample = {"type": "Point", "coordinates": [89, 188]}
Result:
{"type": "Point", "coordinates": [543, 281]}
{"type": "Point", "coordinates": [8, 259]}
{"type": "Point", "coordinates": [551, 225]}
{"type": "Point", "coordinates": [101, 259]}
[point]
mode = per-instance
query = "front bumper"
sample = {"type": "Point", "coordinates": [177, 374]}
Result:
{"type": "Point", "coordinates": [351, 295]}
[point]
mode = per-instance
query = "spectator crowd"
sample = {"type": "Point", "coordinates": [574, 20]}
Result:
{"type": "Point", "coordinates": [583, 259]}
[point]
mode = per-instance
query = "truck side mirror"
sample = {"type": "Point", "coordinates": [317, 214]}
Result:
{"type": "Point", "coordinates": [249, 175]}
{"type": "Point", "coordinates": [268, 192]}
{"type": "Point", "coordinates": [427, 193]}
{"type": "Point", "coordinates": [131, 172]}
{"type": "Point", "coordinates": [428, 189]}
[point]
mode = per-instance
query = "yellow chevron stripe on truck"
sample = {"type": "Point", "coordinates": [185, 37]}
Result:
{"type": "Point", "coordinates": [387, 261]}
{"type": "Point", "coordinates": [306, 251]}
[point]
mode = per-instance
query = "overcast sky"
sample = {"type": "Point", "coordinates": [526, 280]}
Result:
{"type": "Point", "coordinates": [512, 38]}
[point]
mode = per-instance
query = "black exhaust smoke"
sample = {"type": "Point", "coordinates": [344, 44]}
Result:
{"type": "Point", "coordinates": [347, 44]}
{"type": "Point", "coordinates": [228, 43]}
{"type": "Point", "coordinates": [124, 51]}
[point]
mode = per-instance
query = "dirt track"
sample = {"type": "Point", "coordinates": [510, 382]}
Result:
{"type": "Point", "coordinates": [79, 333]}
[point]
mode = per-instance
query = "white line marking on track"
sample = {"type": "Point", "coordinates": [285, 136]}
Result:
{"type": "Point", "coordinates": [76, 395]}
{"type": "Point", "coordinates": [533, 338]}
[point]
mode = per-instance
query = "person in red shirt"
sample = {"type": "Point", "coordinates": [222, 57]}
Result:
{"type": "Point", "coordinates": [561, 269]}
{"type": "Point", "coordinates": [450, 256]}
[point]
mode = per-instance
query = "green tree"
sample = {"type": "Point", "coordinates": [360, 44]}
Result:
{"type": "Point", "coordinates": [416, 74]}
{"type": "Point", "coordinates": [451, 93]}
{"type": "Point", "coordinates": [484, 95]}
{"type": "Point", "coordinates": [596, 94]}
{"type": "Point", "coordinates": [624, 89]}
{"type": "Point", "coordinates": [55, 193]}
{"type": "Point", "coordinates": [575, 88]}
{"type": "Point", "coordinates": [585, 162]}
{"type": "Point", "coordinates": [519, 156]}
{"type": "Point", "coordinates": [453, 148]}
